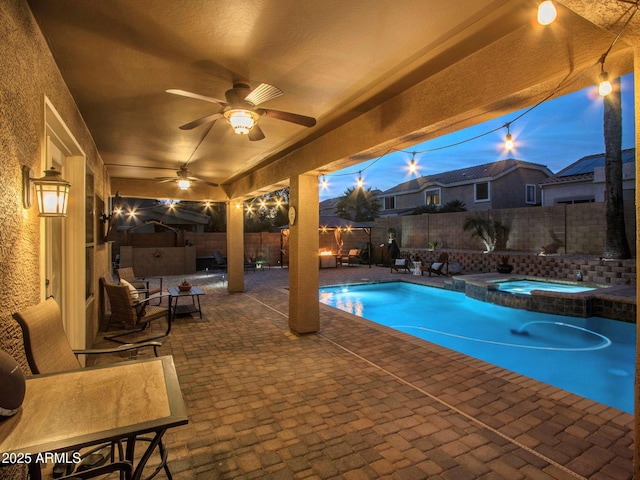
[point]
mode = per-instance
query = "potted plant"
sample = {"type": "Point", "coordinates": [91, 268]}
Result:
{"type": "Point", "coordinates": [504, 266]}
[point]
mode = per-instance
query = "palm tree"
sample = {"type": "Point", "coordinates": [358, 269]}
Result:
{"type": "Point", "coordinates": [616, 245]}
{"type": "Point", "coordinates": [358, 204]}
{"type": "Point", "coordinates": [491, 233]}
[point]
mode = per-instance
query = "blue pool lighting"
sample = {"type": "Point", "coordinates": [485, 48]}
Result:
{"type": "Point", "coordinates": [593, 357]}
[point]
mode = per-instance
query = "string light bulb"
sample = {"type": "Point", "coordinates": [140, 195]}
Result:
{"type": "Point", "coordinates": [360, 181]}
{"type": "Point", "coordinates": [413, 167]}
{"type": "Point", "coordinates": [508, 140]}
{"type": "Point", "coordinates": [325, 182]}
{"type": "Point", "coordinates": [605, 87]}
{"type": "Point", "coordinates": [547, 12]}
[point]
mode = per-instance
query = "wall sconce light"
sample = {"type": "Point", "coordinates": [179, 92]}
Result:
{"type": "Point", "coordinates": [52, 192]}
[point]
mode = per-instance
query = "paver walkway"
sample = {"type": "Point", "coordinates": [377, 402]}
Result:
{"type": "Point", "coordinates": [360, 401]}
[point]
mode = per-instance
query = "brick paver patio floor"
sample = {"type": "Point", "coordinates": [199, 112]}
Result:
{"type": "Point", "coordinates": [359, 401]}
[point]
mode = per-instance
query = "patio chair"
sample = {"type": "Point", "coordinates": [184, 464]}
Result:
{"type": "Point", "coordinates": [47, 350]}
{"type": "Point", "coordinates": [133, 313]}
{"type": "Point", "coordinates": [438, 266]}
{"type": "Point", "coordinates": [141, 284]}
{"type": "Point", "coordinates": [352, 258]}
{"type": "Point", "coordinates": [400, 264]}
{"type": "Point", "coordinates": [219, 261]}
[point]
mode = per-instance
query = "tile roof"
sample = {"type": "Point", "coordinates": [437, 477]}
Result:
{"type": "Point", "coordinates": [583, 169]}
{"type": "Point", "coordinates": [463, 175]}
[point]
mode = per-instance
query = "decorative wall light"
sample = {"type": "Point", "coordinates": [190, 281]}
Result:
{"type": "Point", "coordinates": [52, 192]}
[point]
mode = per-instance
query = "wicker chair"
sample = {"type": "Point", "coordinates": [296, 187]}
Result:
{"type": "Point", "coordinates": [133, 313]}
{"type": "Point", "coordinates": [142, 284]}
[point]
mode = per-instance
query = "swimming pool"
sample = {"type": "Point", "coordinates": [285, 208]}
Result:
{"type": "Point", "coordinates": [593, 357]}
{"type": "Point", "coordinates": [526, 286]}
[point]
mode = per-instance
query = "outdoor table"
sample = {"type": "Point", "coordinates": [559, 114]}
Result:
{"type": "Point", "coordinates": [64, 412]}
{"type": "Point", "coordinates": [175, 294]}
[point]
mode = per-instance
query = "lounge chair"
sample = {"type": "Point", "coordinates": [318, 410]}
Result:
{"type": "Point", "coordinates": [438, 266]}
{"type": "Point", "coordinates": [142, 284]}
{"type": "Point", "coordinates": [219, 261]}
{"type": "Point", "coordinates": [352, 258]}
{"type": "Point", "coordinates": [133, 313]}
{"type": "Point", "coordinates": [400, 264]}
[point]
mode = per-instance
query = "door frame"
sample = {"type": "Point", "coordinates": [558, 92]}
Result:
{"type": "Point", "coordinates": [73, 264]}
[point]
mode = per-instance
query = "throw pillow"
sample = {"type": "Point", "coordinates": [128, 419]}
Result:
{"type": "Point", "coordinates": [132, 290]}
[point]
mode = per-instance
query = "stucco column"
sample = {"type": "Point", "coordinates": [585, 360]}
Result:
{"type": "Point", "coordinates": [304, 309]}
{"type": "Point", "coordinates": [235, 247]}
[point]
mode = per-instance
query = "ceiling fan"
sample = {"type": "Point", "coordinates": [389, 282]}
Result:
{"type": "Point", "coordinates": [184, 179]}
{"type": "Point", "coordinates": [239, 109]}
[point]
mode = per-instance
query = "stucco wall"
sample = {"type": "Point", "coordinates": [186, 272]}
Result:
{"type": "Point", "coordinates": [27, 74]}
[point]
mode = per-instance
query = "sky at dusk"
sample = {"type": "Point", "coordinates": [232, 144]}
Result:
{"type": "Point", "coordinates": [556, 133]}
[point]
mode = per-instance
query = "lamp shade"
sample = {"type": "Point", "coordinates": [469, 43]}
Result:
{"type": "Point", "coordinates": [242, 121]}
{"type": "Point", "coordinates": [52, 194]}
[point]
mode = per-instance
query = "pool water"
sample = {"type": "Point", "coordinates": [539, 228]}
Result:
{"type": "Point", "coordinates": [525, 287]}
{"type": "Point", "coordinates": [593, 357]}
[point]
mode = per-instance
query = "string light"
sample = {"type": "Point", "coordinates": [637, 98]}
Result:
{"type": "Point", "coordinates": [413, 168]}
{"type": "Point", "coordinates": [547, 12]}
{"type": "Point", "coordinates": [508, 140]}
{"type": "Point", "coordinates": [325, 183]}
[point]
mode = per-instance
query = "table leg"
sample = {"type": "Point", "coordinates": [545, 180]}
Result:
{"type": "Point", "coordinates": [155, 441]}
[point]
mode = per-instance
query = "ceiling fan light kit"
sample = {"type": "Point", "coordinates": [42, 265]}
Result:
{"type": "Point", "coordinates": [242, 121]}
{"type": "Point", "coordinates": [239, 109]}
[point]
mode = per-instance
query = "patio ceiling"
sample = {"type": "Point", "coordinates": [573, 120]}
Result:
{"type": "Point", "coordinates": [335, 61]}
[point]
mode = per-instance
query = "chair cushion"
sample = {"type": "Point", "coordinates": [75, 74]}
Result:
{"type": "Point", "coordinates": [400, 261]}
{"type": "Point", "coordinates": [436, 265]}
{"type": "Point", "coordinates": [354, 252]}
{"type": "Point", "coordinates": [132, 290]}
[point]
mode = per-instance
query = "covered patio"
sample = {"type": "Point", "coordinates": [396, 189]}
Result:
{"type": "Point", "coordinates": [266, 403]}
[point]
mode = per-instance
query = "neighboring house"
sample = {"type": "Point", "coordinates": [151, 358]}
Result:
{"type": "Point", "coordinates": [178, 218]}
{"type": "Point", "coordinates": [328, 207]}
{"type": "Point", "coordinates": [584, 181]}
{"type": "Point", "coordinates": [502, 184]}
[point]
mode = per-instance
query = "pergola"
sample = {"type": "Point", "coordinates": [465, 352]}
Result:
{"type": "Point", "coordinates": [337, 225]}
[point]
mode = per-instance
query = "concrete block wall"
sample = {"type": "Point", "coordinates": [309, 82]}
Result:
{"type": "Point", "coordinates": [568, 229]}
{"type": "Point", "coordinates": [561, 267]}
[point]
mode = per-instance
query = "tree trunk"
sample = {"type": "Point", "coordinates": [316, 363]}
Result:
{"type": "Point", "coordinates": [616, 245]}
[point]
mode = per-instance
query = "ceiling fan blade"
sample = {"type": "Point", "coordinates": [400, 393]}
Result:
{"type": "Point", "coordinates": [165, 179]}
{"type": "Point", "coordinates": [263, 93]}
{"type": "Point", "coordinates": [201, 121]}
{"type": "Point", "coordinates": [256, 133]}
{"type": "Point", "coordinates": [197, 96]}
{"type": "Point", "coordinates": [288, 117]}
{"type": "Point", "coordinates": [196, 179]}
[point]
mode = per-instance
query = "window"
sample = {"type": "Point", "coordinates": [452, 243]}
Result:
{"type": "Point", "coordinates": [530, 193]}
{"type": "Point", "coordinates": [389, 203]}
{"type": "Point", "coordinates": [482, 192]}
{"type": "Point", "coordinates": [432, 197]}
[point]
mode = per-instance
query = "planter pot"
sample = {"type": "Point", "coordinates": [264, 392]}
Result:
{"type": "Point", "coordinates": [505, 268]}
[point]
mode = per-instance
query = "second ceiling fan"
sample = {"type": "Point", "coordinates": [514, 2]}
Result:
{"type": "Point", "coordinates": [240, 109]}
